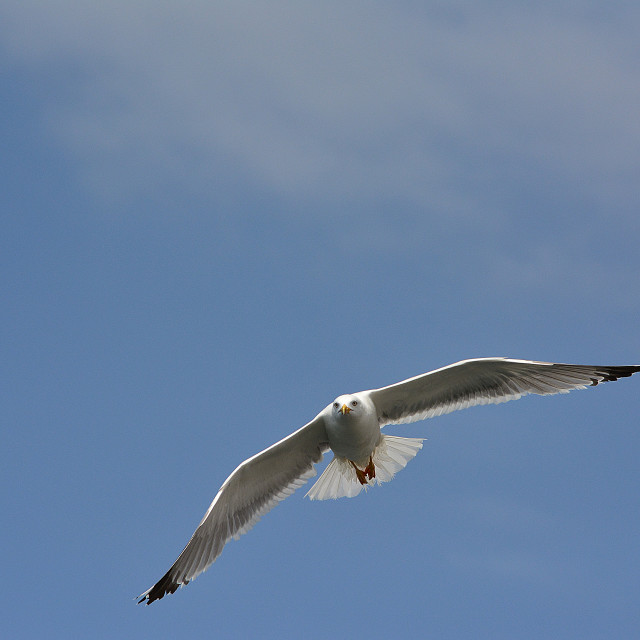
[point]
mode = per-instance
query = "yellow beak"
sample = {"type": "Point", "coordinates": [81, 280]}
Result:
{"type": "Point", "coordinates": [344, 409]}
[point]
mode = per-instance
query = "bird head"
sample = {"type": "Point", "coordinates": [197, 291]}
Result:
{"type": "Point", "coordinates": [344, 405]}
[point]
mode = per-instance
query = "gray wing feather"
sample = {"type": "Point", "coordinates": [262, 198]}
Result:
{"type": "Point", "coordinates": [484, 381]}
{"type": "Point", "coordinates": [253, 489]}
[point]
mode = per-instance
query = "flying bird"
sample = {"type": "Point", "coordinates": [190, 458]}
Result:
{"type": "Point", "coordinates": [362, 455]}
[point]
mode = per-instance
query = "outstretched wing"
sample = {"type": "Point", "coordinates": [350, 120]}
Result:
{"type": "Point", "coordinates": [484, 381]}
{"type": "Point", "coordinates": [254, 488]}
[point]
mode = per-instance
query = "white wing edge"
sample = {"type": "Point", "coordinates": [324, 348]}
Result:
{"type": "Point", "coordinates": [256, 486]}
{"type": "Point", "coordinates": [481, 381]}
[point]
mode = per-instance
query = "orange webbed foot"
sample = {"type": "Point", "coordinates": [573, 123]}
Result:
{"type": "Point", "coordinates": [367, 474]}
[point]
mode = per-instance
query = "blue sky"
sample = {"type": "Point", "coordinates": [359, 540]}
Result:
{"type": "Point", "coordinates": [216, 217]}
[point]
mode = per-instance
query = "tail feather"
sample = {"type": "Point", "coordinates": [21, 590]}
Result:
{"type": "Point", "coordinates": [339, 478]}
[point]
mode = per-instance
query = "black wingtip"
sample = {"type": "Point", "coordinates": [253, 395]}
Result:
{"type": "Point", "coordinates": [165, 585]}
{"type": "Point", "coordinates": [610, 374]}
{"type": "Point", "coordinates": [147, 597]}
{"type": "Point", "coordinates": [613, 373]}
{"type": "Point", "coordinates": [152, 595]}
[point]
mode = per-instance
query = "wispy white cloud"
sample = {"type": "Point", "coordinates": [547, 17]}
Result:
{"type": "Point", "coordinates": [503, 129]}
{"type": "Point", "coordinates": [430, 106]}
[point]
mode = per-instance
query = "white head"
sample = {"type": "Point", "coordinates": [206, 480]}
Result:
{"type": "Point", "coordinates": [348, 404]}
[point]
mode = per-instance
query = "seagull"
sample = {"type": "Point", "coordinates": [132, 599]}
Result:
{"type": "Point", "coordinates": [363, 456]}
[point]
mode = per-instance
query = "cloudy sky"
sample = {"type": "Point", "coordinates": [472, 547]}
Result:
{"type": "Point", "coordinates": [216, 217]}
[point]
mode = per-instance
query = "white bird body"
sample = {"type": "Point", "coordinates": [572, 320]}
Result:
{"type": "Point", "coordinates": [351, 427]}
{"type": "Point", "coordinates": [352, 434]}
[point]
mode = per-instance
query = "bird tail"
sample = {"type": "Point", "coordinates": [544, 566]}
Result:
{"type": "Point", "coordinates": [339, 479]}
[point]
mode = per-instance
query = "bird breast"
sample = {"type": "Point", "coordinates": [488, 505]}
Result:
{"type": "Point", "coordinates": [354, 436]}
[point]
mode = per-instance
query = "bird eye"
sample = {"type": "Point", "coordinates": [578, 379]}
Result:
{"type": "Point", "coordinates": [336, 405]}
{"type": "Point", "coordinates": [354, 403]}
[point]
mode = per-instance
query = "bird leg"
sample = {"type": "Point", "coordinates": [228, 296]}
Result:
{"type": "Point", "coordinates": [367, 474]}
{"type": "Point", "coordinates": [370, 470]}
